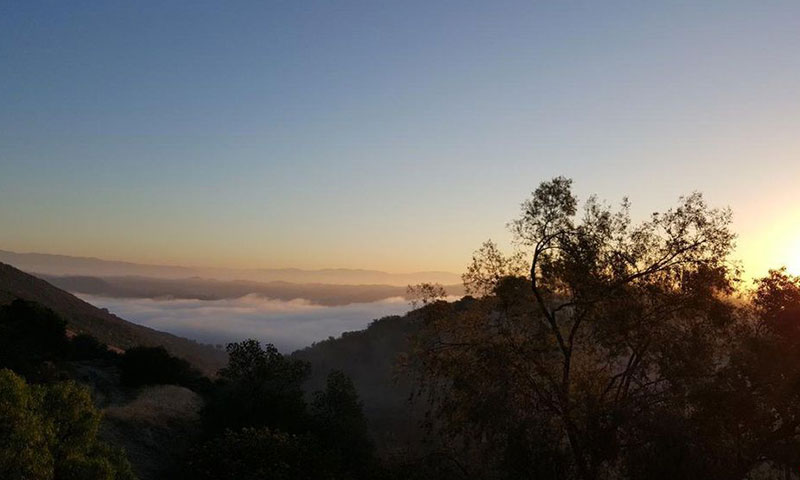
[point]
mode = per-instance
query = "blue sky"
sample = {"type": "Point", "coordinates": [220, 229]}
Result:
{"type": "Point", "coordinates": [389, 135]}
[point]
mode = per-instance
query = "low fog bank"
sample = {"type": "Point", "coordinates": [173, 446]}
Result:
{"type": "Point", "coordinates": [289, 325]}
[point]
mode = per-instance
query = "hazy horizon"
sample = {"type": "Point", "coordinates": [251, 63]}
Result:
{"type": "Point", "coordinates": [65, 265]}
{"type": "Point", "coordinates": [201, 266]}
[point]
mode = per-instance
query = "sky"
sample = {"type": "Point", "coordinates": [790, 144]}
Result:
{"type": "Point", "coordinates": [386, 135]}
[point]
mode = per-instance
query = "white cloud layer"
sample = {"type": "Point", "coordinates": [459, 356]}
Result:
{"type": "Point", "coordinates": [289, 325]}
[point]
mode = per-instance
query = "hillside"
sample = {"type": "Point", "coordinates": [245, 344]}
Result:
{"type": "Point", "coordinates": [83, 317]}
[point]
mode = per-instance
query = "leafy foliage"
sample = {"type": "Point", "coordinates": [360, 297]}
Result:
{"type": "Point", "coordinates": [424, 293]}
{"type": "Point", "coordinates": [50, 432]}
{"type": "Point", "coordinates": [619, 325]}
{"type": "Point", "coordinates": [489, 266]}
{"type": "Point", "coordinates": [259, 422]}
{"type": "Point", "coordinates": [339, 424]}
{"type": "Point", "coordinates": [23, 436]}
{"type": "Point", "coordinates": [258, 388]}
{"type": "Point", "coordinates": [29, 336]}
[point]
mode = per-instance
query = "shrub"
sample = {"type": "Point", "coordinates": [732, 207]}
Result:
{"type": "Point", "coordinates": [50, 432]}
{"type": "Point", "coordinates": [155, 366]}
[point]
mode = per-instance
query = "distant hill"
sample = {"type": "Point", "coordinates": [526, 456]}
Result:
{"type": "Point", "coordinates": [205, 289]}
{"type": "Point", "coordinates": [370, 358]}
{"type": "Point", "coordinates": [83, 266]}
{"type": "Point", "coordinates": [106, 327]}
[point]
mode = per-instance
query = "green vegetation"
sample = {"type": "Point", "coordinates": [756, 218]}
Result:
{"type": "Point", "coordinates": [50, 432]}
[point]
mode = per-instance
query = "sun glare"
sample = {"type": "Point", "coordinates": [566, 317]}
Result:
{"type": "Point", "coordinates": [793, 263]}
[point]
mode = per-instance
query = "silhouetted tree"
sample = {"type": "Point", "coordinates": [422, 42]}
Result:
{"type": "Point", "coordinates": [339, 424]}
{"type": "Point", "coordinates": [29, 336]}
{"type": "Point", "coordinates": [155, 366]}
{"type": "Point", "coordinates": [424, 293]}
{"type": "Point", "coordinates": [261, 427]}
{"type": "Point", "coordinates": [489, 265]}
{"type": "Point", "coordinates": [87, 347]}
{"type": "Point", "coordinates": [258, 388]}
{"type": "Point", "coordinates": [746, 414]}
{"type": "Point", "coordinates": [617, 321]}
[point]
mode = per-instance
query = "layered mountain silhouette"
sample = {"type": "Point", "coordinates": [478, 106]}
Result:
{"type": "Point", "coordinates": [108, 328]}
{"type": "Point", "coordinates": [210, 289]}
{"type": "Point", "coordinates": [48, 264]}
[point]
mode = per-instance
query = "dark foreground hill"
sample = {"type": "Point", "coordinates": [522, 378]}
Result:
{"type": "Point", "coordinates": [82, 317]}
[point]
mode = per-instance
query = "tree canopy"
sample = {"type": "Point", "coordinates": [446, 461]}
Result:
{"type": "Point", "coordinates": [611, 356]}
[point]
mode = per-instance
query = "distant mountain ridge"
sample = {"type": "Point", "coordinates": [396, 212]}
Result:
{"type": "Point", "coordinates": [83, 317]}
{"type": "Point", "coordinates": [203, 289]}
{"type": "Point", "coordinates": [50, 264]}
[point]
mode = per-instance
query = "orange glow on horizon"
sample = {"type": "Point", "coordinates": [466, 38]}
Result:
{"type": "Point", "coordinates": [793, 265]}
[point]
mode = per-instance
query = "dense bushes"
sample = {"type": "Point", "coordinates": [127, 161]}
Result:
{"type": "Point", "coordinates": [155, 366]}
{"type": "Point", "coordinates": [34, 342]}
{"type": "Point", "coordinates": [259, 421]}
{"type": "Point", "coordinates": [258, 388]}
{"type": "Point", "coordinates": [339, 424]}
{"type": "Point", "coordinates": [31, 335]}
{"type": "Point", "coordinates": [86, 347]}
{"type": "Point", "coordinates": [259, 453]}
{"type": "Point", "coordinates": [50, 433]}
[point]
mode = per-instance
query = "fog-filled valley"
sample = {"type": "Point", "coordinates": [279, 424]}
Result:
{"type": "Point", "coordinates": [289, 324]}
{"type": "Point", "coordinates": [216, 311]}
{"type": "Point", "coordinates": [213, 311]}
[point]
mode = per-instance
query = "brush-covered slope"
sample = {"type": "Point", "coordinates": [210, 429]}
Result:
{"type": "Point", "coordinates": [369, 357]}
{"type": "Point", "coordinates": [83, 317]}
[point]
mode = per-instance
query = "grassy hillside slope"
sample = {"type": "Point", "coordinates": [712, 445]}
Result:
{"type": "Point", "coordinates": [83, 317]}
